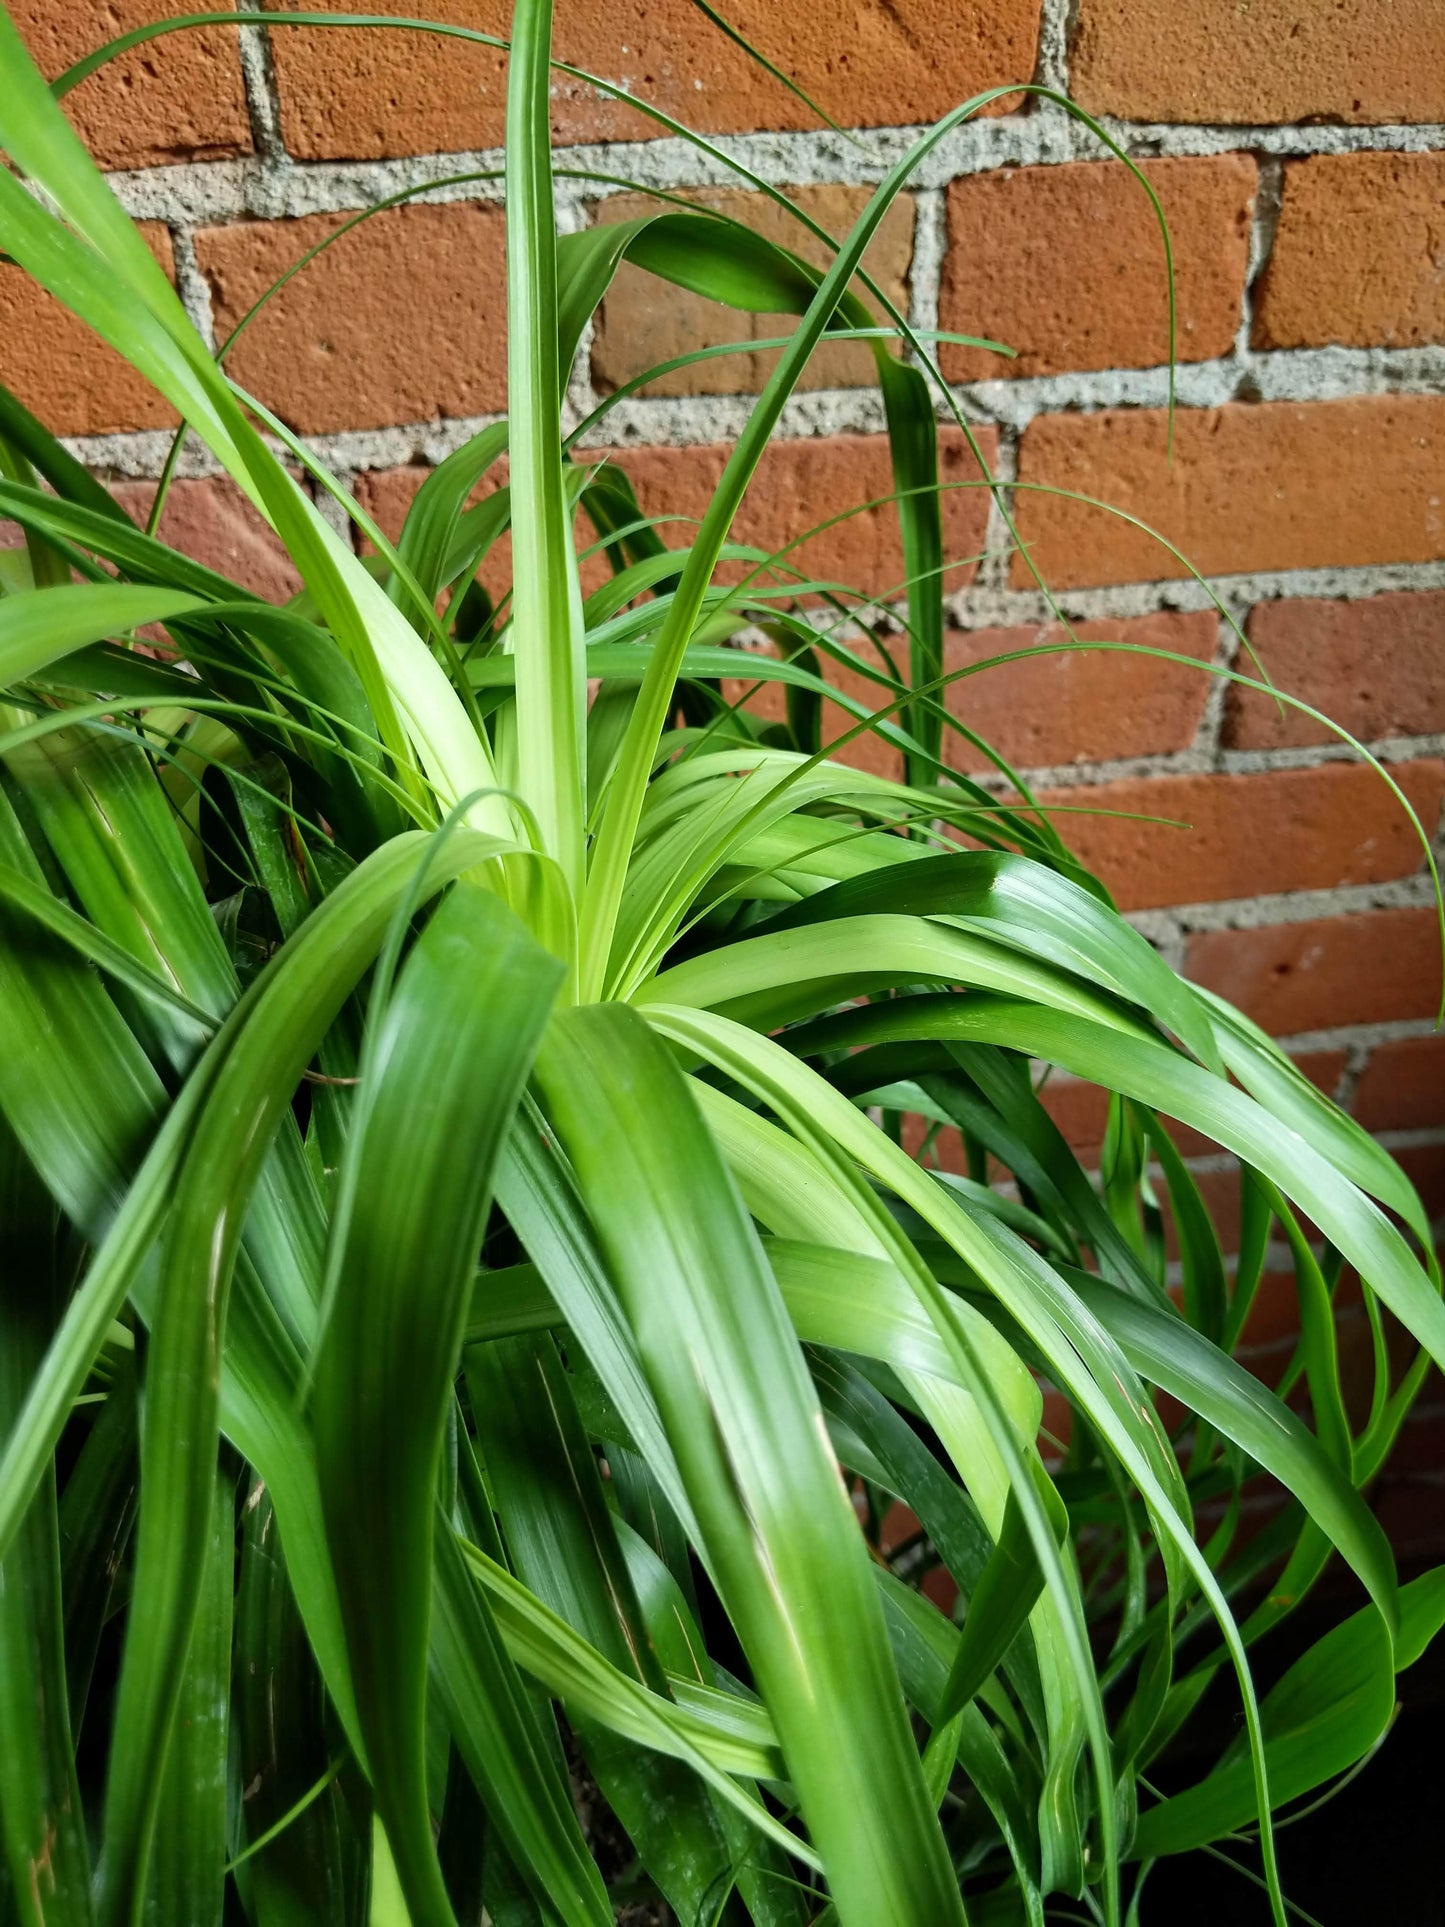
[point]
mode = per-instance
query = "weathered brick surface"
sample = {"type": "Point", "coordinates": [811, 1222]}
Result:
{"type": "Point", "coordinates": [1402, 1087]}
{"type": "Point", "coordinates": [800, 484]}
{"type": "Point", "coordinates": [1424, 1166]}
{"type": "Point", "coordinates": [1373, 666]}
{"type": "Point", "coordinates": [889, 62]}
{"type": "Point", "coordinates": [1377, 967]}
{"type": "Point", "coordinates": [211, 521]}
{"type": "Point", "coordinates": [1271, 60]}
{"type": "Point", "coordinates": [644, 321]}
{"type": "Point", "coordinates": [1358, 254]}
{"type": "Point", "coordinates": [387, 493]}
{"type": "Point", "coordinates": [1066, 264]}
{"type": "Point", "coordinates": [1080, 705]}
{"type": "Point", "coordinates": [1220, 1192]}
{"type": "Point", "coordinates": [63, 372]}
{"type": "Point", "coordinates": [403, 319]}
{"type": "Point", "coordinates": [1045, 710]}
{"type": "Point", "coordinates": [1282, 485]}
{"type": "Point", "coordinates": [178, 98]}
{"type": "Point", "coordinates": [1294, 829]}
{"type": "Point", "coordinates": [1273, 1321]}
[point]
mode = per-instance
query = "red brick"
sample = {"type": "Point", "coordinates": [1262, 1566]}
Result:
{"type": "Point", "coordinates": [645, 321]}
{"type": "Point", "coordinates": [1295, 829]}
{"type": "Point", "coordinates": [802, 483]}
{"type": "Point", "coordinates": [1081, 1112]}
{"type": "Point", "coordinates": [64, 373]}
{"type": "Point", "coordinates": [1373, 666]}
{"type": "Point", "coordinates": [945, 1153]}
{"type": "Point", "coordinates": [1268, 60]}
{"type": "Point", "coordinates": [1066, 264]}
{"type": "Point", "coordinates": [1424, 1166]}
{"type": "Point", "coordinates": [867, 751]}
{"type": "Point", "coordinates": [1277, 1311]}
{"type": "Point", "coordinates": [1323, 1068]}
{"type": "Point", "coordinates": [1273, 1320]}
{"type": "Point", "coordinates": [889, 63]}
{"type": "Point", "coordinates": [1057, 1425]}
{"type": "Point", "coordinates": [1081, 705]}
{"type": "Point", "coordinates": [1376, 967]}
{"type": "Point", "coordinates": [179, 98]}
{"type": "Point", "coordinates": [400, 321]}
{"type": "Point", "coordinates": [387, 493]}
{"type": "Point", "coordinates": [213, 523]}
{"type": "Point", "coordinates": [798, 484]}
{"type": "Point", "coordinates": [1357, 254]}
{"type": "Point", "coordinates": [1282, 485]}
{"type": "Point", "coordinates": [1402, 1087]}
{"type": "Point", "coordinates": [1219, 1191]}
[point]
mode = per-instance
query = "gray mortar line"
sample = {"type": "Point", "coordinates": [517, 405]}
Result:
{"type": "Point", "coordinates": [1208, 1162]}
{"type": "Point", "coordinates": [1164, 933]}
{"type": "Point", "coordinates": [1292, 374]}
{"type": "Point", "coordinates": [1201, 756]}
{"type": "Point", "coordinates": [332, 511]}
{"type": "Point", "coordinates": [998, 549]}
{"type": "Point", "coordinates": [1055, 36]}
{"type": "Point", "coordinates": [1277, 375]}
{"type": "Point", "coordinates": [1208, 738]}
{"type": "Point", "coordinates": [1415, 1140]}
{"type": "Point", "coordinates": [1264, 911]}
{"type": "Point", "coordinates": [1264, 223]}
{"type": "Point", "coordinates": [926, 266]}
{"type": "Point", "coordinates": [1287, 138]}
{"type": "Point", "coordinates": [1004, 608]}
{"type": "Point", "coordinates": [1357, 1055]}
{"type": "Point", "coordinates": [1388, 749]}
{"type": "Point", "coordinates": [192, 285]}
{"type": "Point", "coordinates": [270, 185]}
{"type": "Point", "coordinates": [263, 100]}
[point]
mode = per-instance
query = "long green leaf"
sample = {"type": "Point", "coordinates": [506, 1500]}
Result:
{"type": "Point", "coordinates": [1325, 1714]}
{"type": "Point", "coordinates": [465, 1018]}
{"type": "Point", "coordinates": [42, 1827]}
{"type": "Point", "coordinates": [714, 1340]}
{"type": "Point", "coordinates": [546, 600]}
{"type": "Point", "coordinates": [187, 1864]}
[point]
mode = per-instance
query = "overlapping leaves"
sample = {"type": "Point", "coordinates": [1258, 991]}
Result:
{"type": "Point", "coordinates": [457, 1224]}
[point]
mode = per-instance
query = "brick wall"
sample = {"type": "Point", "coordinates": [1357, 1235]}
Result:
{"type": "Point", "coordinates": [1298, 148]}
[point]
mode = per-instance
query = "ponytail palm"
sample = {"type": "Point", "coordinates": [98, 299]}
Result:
{"type": "Point", "coordinates": [463, 1275]}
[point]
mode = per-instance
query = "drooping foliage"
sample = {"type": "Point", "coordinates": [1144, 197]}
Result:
{"type": "Point", "coordinates": [472, 1293]}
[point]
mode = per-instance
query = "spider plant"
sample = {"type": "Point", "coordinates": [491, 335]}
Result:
{"type": "Point", "coordinates": [467, 1305]}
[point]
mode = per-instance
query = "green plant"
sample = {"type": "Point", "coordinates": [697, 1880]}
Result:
{"type": "Point", "coordinates": [456, 1220]}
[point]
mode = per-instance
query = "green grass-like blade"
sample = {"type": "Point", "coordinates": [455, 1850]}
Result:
{"type": "Point", "coordinates": [744, 1424]}
{"type": "Point", "coordinates": [499, 1734]}
{"type": "Point", "coordinates": [546, 601]}
{"type": "Point", "coordinates": [559, 1534]}
{"type": "Point", "coordinates": [187, 1864]}
{"type": "Point", "coordinates": [42, 1826]}
{"type": "Point", "coordinates": [442, 1077]}
{"type": "Point", "coordinates": [36, 630]}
